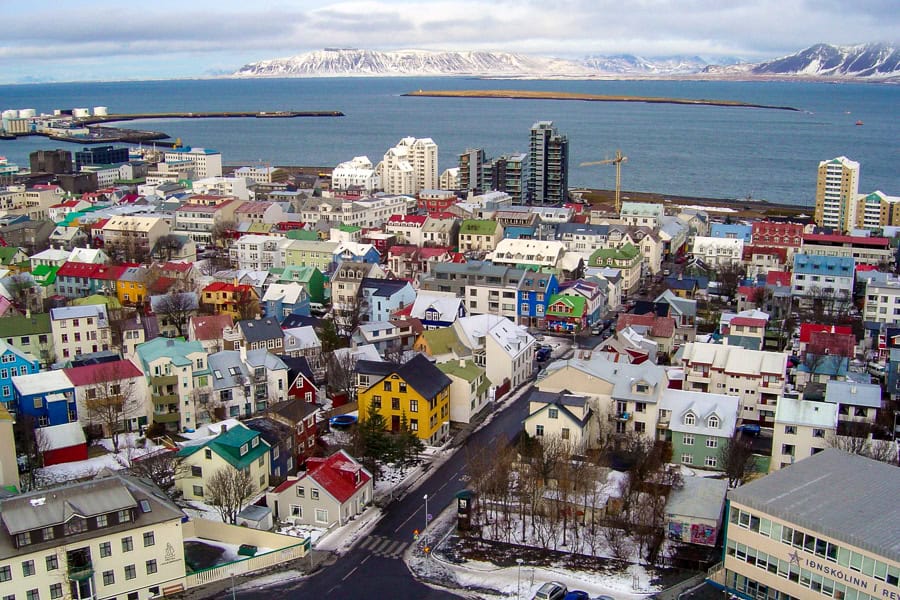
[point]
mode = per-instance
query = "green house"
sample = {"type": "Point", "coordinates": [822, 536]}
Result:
{"type": "Point", "coordinates": [626, 257]}
{"type": "Point", "coordinates": [566, 313]}
{"type": "Point", "coordinates": [311, 278]}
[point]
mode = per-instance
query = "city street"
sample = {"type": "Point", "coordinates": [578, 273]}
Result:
{"type": "Point", "coordinates": [374, 567]}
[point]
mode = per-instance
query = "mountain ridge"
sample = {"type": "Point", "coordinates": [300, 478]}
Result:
{"type": "Point", "coordinates": [869, 62]}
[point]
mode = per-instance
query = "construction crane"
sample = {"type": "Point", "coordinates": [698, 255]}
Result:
{"type": "Point", "coordinates": [618, 160]}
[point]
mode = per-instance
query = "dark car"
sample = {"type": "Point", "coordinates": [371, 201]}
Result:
{"type": "Point", "coordinates": [577, 595]}
{"type": "Point", "coordinates": [543, 354]}
{"type": "Point", "coordinates": [751, 429]}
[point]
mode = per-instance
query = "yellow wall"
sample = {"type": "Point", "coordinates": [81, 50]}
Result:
{"type": "Point", "coordinates": [186, 481]}
{"type": "Point", "coordinates": [429, 419]}
{"type": "Point", "coordinates": [134, 289]}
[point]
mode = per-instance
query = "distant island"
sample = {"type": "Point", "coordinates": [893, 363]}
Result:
{"type": "Point", "coordinates": [538, 95]}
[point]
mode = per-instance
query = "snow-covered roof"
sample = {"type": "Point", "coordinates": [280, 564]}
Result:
{"type": "Point", "coordinates": [66, 435]}
{"type": "Point", "coordinates": [513, 339]}
{"type": "Point", "coordinates": [40, 383]}
{"type": "Point", "coordinates": [289, 293]}
{"type": "Point", "coordinates": [853, 394]}
{"type": "Point", "coordinates": [703, 406]}
{"type": "Point", "coordinates": [446, 304]}
{"type": "Point", "coordinates": [734, 359]}
{"type": "Point", "coordinates": [794, 411]}
{"type": "Point", "coordinates": [301, 337]}
{"type": "Point", "coordinates": [698, 497]}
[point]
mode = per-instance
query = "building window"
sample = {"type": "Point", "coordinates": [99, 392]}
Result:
{"type": "Point", "coordinates": [5, 573]}
{"type": "Point", "coordinates": [198, 491]}
{"type": "Point", "coordinates": [688, 439]}
{"type": "Point", "coordinates": [687, 459]}
{"type": "Point", "coordinates": [539, 431]}
{"type": "Point", "coordinates": [564, 434]}
{"type": "Point", "coordinates": [321, 515]}
{"type": "Point", "coordinates": [32, 595]}
{"type": "Point", "coordinates": [52, 562]}
{"type": "Point", "coordinates": [151, 567]}
{"type": "Point", "coordinates": [149, 539]}
{"type": "Point", "coordinates": [387, 386]}
{"type": "Point", "coordinates": [56, 591]}
{"type": "Point", "coordinates": [101, 521]}
{"type": "Point", "coordinates": [553, 413]}
{"type": "Point", "coordinates": [640, 407]}
{"type": "Point", "coordinates": [640, 427]}
{"type": "Point", "coordinates": [376, 402]}
{"type": "Point", "coordinates": [413, 424]}
{"type": "Point", "coordinates": [105, 549]}
{"type": "Point", "coordinates": [28, 568]}
{"type": "Point", "coordinates": [314, 493]}
{"type": "Point", "coordinates": [689, 419]}
{"type": "Point", "coordinates": [711, 461]}
{"type": "Point", "coordinates": [301, 492]}
{"type": "Point", "coordinates": [712, 442]}
{"type": "Point", "coordinates": [127, 544]}
{"type": "Point", "coordinates": [818, 433]}
{"type": "Point", "coordinates": [413, 406]}
{"type": "Point", "coordinates": [787, 449]}
{"type": "Point", "coordinates": [713, 422]}
{"type": "Point", "coordinates": [296, 510]}
{"type": "Point", "coordinates": [790, 429]}
{"type": "Point", "coordinates": [109, 578]}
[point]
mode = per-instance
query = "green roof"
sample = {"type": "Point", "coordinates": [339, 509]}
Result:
{"type": "Point", "coordinates": [302, 234]}
{"type": "Point", "coordinates": [468, 371]}
{"type": "Point", "coordinates": [72, 216]}
{"type": "Point", "coordinates": [297, 273]}
{"type": "Point", "coordinates": [444, 341]}
{"type": "Point", "coordinates": [349, 228]}
{"type": "Point", "coordinates": [174, 348]}
{"type": "Point", "coordinates": [575, 304]}
{"type": "Point", "coordinates": [478, 227]}
{"type": "Point", "coordinates": [21, 325]}
{"type": "Point", "coordinates": [7, 253]}
{"type": "Point", "coordinates": [228, 445]}
{"type": "Point", "coordinates": [45, 273]}
{"type": "Point", "coordinates": [626, 252]}
{"type": "Point", "coordinates": [97, 299]}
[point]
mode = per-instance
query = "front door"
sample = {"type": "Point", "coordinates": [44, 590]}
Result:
{"type": "Point", "coordinates": [395, 423]}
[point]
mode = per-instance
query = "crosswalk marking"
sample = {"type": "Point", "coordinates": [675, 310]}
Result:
{"type": "Point", "coordinates": [384, 547]}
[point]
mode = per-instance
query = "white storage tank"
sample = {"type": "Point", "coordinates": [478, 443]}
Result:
{"type": "Point", "coordinates": [79, 113]}
{"type": "Point", "coordinates": [57, 112]}
{"type": "Point", "coordinates": [27, 113]}
{"type": "Point", "coordinates": [10, 114]}
{"type": "Point", "coordinates": [100, 111]}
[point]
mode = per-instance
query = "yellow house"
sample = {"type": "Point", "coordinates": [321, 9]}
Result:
{"type": "Point", "coordinates": [238, 300]}
{"type": "Point", "coordinates": [131, 287]}
{"type": "Point", "coordinates": [416, 389]}
{"type": "Point", "coordinates": [236, 448]}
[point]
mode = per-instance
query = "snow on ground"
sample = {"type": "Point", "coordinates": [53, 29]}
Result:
{"type": "Point", "coordinates": [231, 550]}
{"type": "Point", "coordinates": [341, 539]}
{"type": "Point", "coordinates": [131, 446]}
{"type": "Point", "coordinates": [302, 531]}
{"type": "Point", "coordinates": [270, 579]}
{"type": "Point", "coordinates": [721, 209]}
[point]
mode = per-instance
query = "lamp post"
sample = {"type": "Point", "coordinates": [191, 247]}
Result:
{"type": "Point", "coordinates": [232, 585]}
{"type": "Point", "coordinates": [519, 579]}
{"type": "Point", "coordinates": [426, 514]}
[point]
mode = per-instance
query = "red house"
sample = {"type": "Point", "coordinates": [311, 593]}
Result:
{"type": "Point", "coordinates": [62, 443]}
{"type": "Point", "coordinates": [780, 235]}
{"type": "Point", "coordinates": [301, 381]}
{"type": "Point", "coordinates": [302, 417]}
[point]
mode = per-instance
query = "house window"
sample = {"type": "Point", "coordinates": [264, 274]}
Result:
{"type": "Point", "coordinates": [130, 572]}
{"type": "Point", "coordinates": [301, 491]}
{"type": "Point", "coordinates": [640, 407]}
{"type": "Point", "coordinates": [539, 431]}
{"type": "Point", "coordinates": [688, 439]}
{"type": "Point", "coordinates": [413, 424]}
{"type": "Point", "coordinates": [105, 549]}
{"type": "Point", "coordinates": [712, 442]}
{"type": "Point", "coordinates": [818, 433]}
{"type": "Point", "coordinates": [149, 539]}
{"type": "Point", "coordinates": [321, 515]}
{"type": "Point", "coordinates": [127, 544]}
{"type": "Point", "coordinates": [395, 403]}
{"type": "Point", "coordinates": [32, 595]}
{"type": "Point", "coordinates": [711, 461]}
{"type": "Point", "coordinates": [387, 386]}
{"type": "Point", "coordinates": [207, 454]}
{"type": "Point", "coordinates": [713, 422]}
{"type": "Point", "coordinates": [413, 406]}
{"type": "Point", "coordinates": [101, 521]}
{"type": "Point", "coordinates": [28, 568]}
{"type": "Point", "coordinates": [296, 511]}
{"type": "Point", "coordinates": [56, 591]}
{"type": "Point", "coordinates": [687, 459]}
{"type": "Point", "coordinates": [564, 434]}
{"type": "Point", "coordinates": [376, 402]}
{"type": "Point", "coordinates": [109, 578]}
{"type": "Point", "coordinates": [52, 562]}
{"type": "Point", "coordinates": [553, 413]}
{"type": "Point", "coordinates": [402, 387]}
{"type": "Point", "coordinates": [640, 427]}
{"type": "Point", "coordinates": [244, 449]}
{"type": "Point", "coordinates": [787, 449]}
{"type": "Point", "coordinates": [196, 471]}
{"type": "Point", "coordinates": [314, 493]}
{"type": "Point", "coordinates": [790, 429]}
{"type": "Point", "coordinates": [689, 419]}
{"type": "Point", "coordinates": [198, 491]}
{"type": "Point", "coordinates": [151, 567]}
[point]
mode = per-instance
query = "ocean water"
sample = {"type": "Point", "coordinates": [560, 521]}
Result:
{"type": "Point", "coordinates": [706, 151]}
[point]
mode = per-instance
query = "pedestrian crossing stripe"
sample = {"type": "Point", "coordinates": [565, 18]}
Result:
{"type": "Point", "coordinates": [384, 546]}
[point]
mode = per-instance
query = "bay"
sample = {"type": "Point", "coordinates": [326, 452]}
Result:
{"type": "Point", "coordinates": [706, 151]}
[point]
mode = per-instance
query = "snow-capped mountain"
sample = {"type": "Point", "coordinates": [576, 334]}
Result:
{"type": "Point", "coordinates": [336, 62]}
{"type": "Point", "coordinates": [629, 64]}
{"type": "Point", "coordinates": [870, 61]}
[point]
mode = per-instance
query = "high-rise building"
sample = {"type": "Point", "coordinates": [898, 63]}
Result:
{"type": "Point", "coordinates": [507, 174]}
{"type": "Point", "coordinates": [51, 161]}
{"type": "Point", "coordinates": [100, 155]}
{"type": "Point", "coordinates": [471, 170]}
{"type": "Point", "coordinates": [548, 168]}
{"type": "Point", "coordinates": [837, 189]}
{"type": "Point", "coordinates": [410, 166]}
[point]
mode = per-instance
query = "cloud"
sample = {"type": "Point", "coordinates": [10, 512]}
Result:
{"type": "Point", "coordinates": [38, 36]}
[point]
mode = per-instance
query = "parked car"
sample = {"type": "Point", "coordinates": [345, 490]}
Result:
{"type": "Point", "coordinates": [543, 353]}
{"type": "Point", "coordinates": [552, 590]}
{"type": "Point", "coordinates": [577, 595]}
{"type": "Point", "coordinates": [751, 429]}
{"type": "Point", "coordinates": [596, 330]}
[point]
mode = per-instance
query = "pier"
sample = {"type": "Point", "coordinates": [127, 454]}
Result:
{"type": "Point", "coordinates": [277, 114]}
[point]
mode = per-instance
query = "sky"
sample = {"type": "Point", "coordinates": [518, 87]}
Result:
{"type": "Point", "coordinates": [79, 40]}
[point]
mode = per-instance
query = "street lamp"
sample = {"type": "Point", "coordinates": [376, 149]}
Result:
{"type": "Point", "coordinates": [426, 514]}
{"type": "Point", "coordinates": [232, 585]}
{"type": "Point", "coordinates": [519, 579]}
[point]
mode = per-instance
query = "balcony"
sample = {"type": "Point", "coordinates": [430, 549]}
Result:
{"type": "Point", "coordinates": [622, 417]}
{"type": "Point", "coordinates": [168, 417]}
{"type": "Point", "coordinates": [165, 399]}
{"type": "Point", "coordinates": [81, 571]}
{"type": "Point", "coordinates": [164, 380]}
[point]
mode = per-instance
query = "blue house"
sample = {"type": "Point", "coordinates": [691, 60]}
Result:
{"type": "Point", "coordinates": [731, 231]}
{"type": "Point", "coordinates": [284, 299]}
{"type": "Point", "coordinates": [49, 397]}
{"type": "Point", "coordinates": [282, 441]}
{"type": "Point", "coordinates": [437, 309]}
{"type": "Point", "coordinates": [519, 232]}
{"type": "Point", "coordinates": [13, 362]}
{"type": "Point", "coordinates": [383, 297]}
{"type": "Point", "coordinates": [534, 294]}
{"type": "Point", "coordinates": [356, 252]}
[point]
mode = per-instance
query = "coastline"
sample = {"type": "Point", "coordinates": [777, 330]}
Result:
{"type": "Point", "coordinates": [540, 95]}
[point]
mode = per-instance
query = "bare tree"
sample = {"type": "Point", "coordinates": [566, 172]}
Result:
{"type": "Point", "coordinates": [349, 313]}
{"type": "Point", "coordinates": [25, 294]}
{"type": "Point", "coordinates": [857, 439]}
{"type": "Point", "coordinates": [177, 308]}
{"type": "Point", "coordinates": [163, 467]}
{"type": "Point", "coordinates": [246, 302]}
{"type": "Point", "coordinates": [729, 276]}
{"type": "Point", "coordinates": [31, 443]}
{"type": "Point", "coordinates": [220, 235]}
{"type": "Point", "coordinates": [227, 490]}
{"type": "Point", "coordinates": [110, 401]}
{"type": "Point", "coordinates": [760, 296]}
{"type": "Point", "coordinates": [340, 374]}
{"type": "Point", "coordinates": [736, 459]}
{"type": "Point", "coordinates": [166, 247]}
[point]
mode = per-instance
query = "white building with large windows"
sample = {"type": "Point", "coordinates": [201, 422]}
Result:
{"type": "Point", "coordinates": [355, 173]}
{"type": "Point", "coordinates": [409, 167]}
{"type": "Point", "coordinates": [204, 162]}
{"type": "Point", "coordinates": [824, 527]}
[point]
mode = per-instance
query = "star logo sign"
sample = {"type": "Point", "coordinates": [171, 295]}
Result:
{"type": "Point", "coordinates": [795, 558]}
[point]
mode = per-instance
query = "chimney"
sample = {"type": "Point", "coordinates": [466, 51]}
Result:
{"type": "Point", "coordinates": [258, 316]}
{"type": "Point", "coordinates": [462, 363]}
{"type": "Point", "coordinates": [137, 317]}
{"type": "Point", "coordinates": [224, 428]}
{"type": "Point", "coordinates": [243, 349]}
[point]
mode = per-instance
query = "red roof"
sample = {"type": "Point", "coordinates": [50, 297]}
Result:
{"type": "Point", "coordinates": [99, 224]}
{"type": "Point", "coordinates": [458, 257]}
{"type": "Point", "coordinates": [221, 286]}
{"type": "Point", "coordinates": [103, 372]}
{"type": "Point", "coordinates": [431, 251]}
{"type": "Point", "coordinates": [659, 326]}
{"type": "Point", "coordinates": [77, 269]}
{"type": "Point", "coordinates": [410, 219]}
{"type": "Point", "coordinates": [748, 322]}
{"type": "Point", "coordinates": [746, 291]}
{"type": "Point", "coordinates": [210, 328]}
{"type": "Point", "coordinates": [108, 272]}
{"type": "Point", "coordinates": [778, 278]}
{"type": "Point", "coordinates": [863, 267]}
{"type": "Point", "coordinates": [161, 285]}
{"type": "Point", "coordinates": [177, 266]}
{"type": "Point", "coordinates": [845, 239]}
{"type": "Point", "coordinates": [337, 474]}
{"type": "Point", "coordinates": [749, 251]}
{"type": "Point", "coordinates": [826, 342]}
{"type": "Point", "coordinates": [402, 249]}
{"type": "Point", "coordinates": [807, 329]}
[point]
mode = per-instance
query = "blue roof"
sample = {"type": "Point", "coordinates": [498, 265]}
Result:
{"type": "Point", "coordinates": [830, 265]}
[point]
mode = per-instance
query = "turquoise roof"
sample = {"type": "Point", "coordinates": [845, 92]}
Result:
{"type": "Point", "coordinates": [228, 445]}
{"type": "Point", "coordinates": [175, 349]}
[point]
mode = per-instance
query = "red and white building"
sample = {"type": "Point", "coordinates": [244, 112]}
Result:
{"type": "Point", "coordinates": [407, 228]}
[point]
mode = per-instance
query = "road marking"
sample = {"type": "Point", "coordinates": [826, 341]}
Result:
{"type": "Point", "coordinates": [443, 486]}
{"type": "Point", "coordinates": [332, 589]}
{"type": "Point", "coordinates": [363, 561]}
{"type": "Point", "coordinates": [352, 571]}
{"type": "Point", "coordinates": [406, 521]}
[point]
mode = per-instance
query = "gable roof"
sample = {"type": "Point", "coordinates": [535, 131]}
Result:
{"type": "Point", "coordinates": [702, 405]}
{"type": "Point", "coordinates": [210, 327]}
{"type": "Point", "coordinates": [335, 474]}
{"type": "Point", "coordinates": [255, 330]}
{"type": "Point", "coordinates": [102, 373]}
{"type": "Point", "coordinates": [228, 445]}
{"type": "Point", "coordinates": [419, 373]}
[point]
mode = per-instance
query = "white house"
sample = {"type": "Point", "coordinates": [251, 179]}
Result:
{"type": "Point", "coordinates": [79, 330]}
{"type": "Point", "coordinates": [716, 252]}
{"type": "Point", "coordinates": [802, 428]}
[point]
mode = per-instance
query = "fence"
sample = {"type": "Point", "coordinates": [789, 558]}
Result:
{"type": "Point", "coordinates": [285, 549]}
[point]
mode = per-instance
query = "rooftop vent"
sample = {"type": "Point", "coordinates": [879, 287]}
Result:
{"type": "Point", "coordinates": [38, 501]}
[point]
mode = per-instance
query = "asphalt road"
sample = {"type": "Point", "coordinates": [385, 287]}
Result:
{"type": "Point", "coordinates": [374, 568]}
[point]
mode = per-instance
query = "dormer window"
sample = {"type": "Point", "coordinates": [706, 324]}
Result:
{"type": "Point", "coordinates": [641, 388]}
{"type": "Point", "coordinates": [244, 449]}
{"type": "Point", "coordinates": [255, 442]}
{"type": "Point", "coordinates": [713, 422]}
{"type": "Point", "coordinates": [689, 419]}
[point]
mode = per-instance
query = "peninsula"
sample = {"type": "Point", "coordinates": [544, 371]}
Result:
{"type": "Point", "coordinates": [539, 95]}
